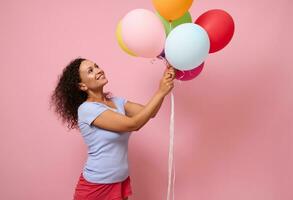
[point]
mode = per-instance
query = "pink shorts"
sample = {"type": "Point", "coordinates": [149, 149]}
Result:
{"type": "Point", "coordinates": [94, 191]}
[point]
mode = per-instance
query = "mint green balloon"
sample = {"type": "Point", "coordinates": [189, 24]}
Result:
{"type": "Point", "coordinates": [169, 26]}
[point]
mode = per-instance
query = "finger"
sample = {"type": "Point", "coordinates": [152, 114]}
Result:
{"type": "Point", "coordinates": [171, 72]}
{"type": "Point", "coordinates": [168, 82]}
{"type": "Point", "coordinates": [172, 69]}
{"type": "Point", "coordinates": [169, 75]}
{"type": "Point", "coordinates": [166, 72]}
{"type": "Point", "coordinates": [169, 78]}
{"type": "Point", "coordinates": [166, 76]}
{"type": "Point", "coordinates": [170, 85]}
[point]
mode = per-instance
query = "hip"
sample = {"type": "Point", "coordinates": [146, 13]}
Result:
{"type": "Point", "coordinates": [86, 190]}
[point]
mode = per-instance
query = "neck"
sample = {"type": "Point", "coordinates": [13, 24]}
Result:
{"type": "Point", "coordinates": [96, 96]}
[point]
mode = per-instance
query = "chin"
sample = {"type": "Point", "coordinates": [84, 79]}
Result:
{"type": "Point", "coordinates": [106, 81]}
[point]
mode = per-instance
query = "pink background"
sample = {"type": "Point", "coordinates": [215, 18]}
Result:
{"type": "Point", "coordinates": [233, 123]}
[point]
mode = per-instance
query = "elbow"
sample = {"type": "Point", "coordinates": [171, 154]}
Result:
{"type": "Point", "coordinates": [132, 129]}
{"type": "Point", "coordinates": [133, 126]}
{"type": "Point", "coordinates": [128, 129]}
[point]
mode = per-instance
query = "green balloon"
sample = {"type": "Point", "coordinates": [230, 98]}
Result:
{"type": "Point", "coordinates": [169, 26]}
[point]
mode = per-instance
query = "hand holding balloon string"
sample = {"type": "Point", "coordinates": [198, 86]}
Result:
{"type": "Point", "coordinates": [170, 71]}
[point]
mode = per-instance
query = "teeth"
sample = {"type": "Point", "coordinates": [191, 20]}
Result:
{"type": "Point", "coordinates": [100, 76]}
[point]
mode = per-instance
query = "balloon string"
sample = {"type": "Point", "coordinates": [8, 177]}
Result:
{"type": "Point", "coordinates": [173, 169]}
{"type": "Point", "coordinates": [171, 152]}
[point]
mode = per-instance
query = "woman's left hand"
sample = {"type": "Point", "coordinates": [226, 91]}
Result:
{"type": "Point", "coordinates": [170, 72]}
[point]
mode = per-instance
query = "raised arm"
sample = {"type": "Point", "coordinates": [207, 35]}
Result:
{"type": "Point", "coordinates": [132, 108]}
{"type": "Point", "coordinates": [113, 121]}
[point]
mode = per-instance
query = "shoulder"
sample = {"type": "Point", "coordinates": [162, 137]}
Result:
{"type": "Point", "coordinates": [88, 106]}
{"type": "Point", "coordinates": [119, 99]}
{"type": "Point", "coordinates": [88, 111]}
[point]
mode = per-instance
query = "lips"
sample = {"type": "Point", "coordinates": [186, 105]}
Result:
{"type": "Point", "coordinates": [100, 76]}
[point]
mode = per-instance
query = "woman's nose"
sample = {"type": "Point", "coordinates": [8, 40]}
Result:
{"type": "Point", "coordinates": [99, 70]}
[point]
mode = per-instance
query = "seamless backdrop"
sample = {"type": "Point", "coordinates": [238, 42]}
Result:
{"type": "Point", "coordinates": [233, 123]}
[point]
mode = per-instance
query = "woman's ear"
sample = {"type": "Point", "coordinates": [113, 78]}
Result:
{"type": "Point", "coordinates": [82, 86]}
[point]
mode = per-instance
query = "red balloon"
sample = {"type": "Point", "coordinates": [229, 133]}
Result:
{"type": "Point", "coordinates": [219, 26]}
{"type": "Point", "coordinates": [188, 74]}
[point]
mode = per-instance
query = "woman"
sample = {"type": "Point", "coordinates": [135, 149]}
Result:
{"type": "Point", "coordinates": [105, 123]}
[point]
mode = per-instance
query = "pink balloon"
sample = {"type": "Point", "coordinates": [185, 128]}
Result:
{"type": "Point", "coordinates": [189, 74]}
{"type": "Point", "coordinates": [143, 33]}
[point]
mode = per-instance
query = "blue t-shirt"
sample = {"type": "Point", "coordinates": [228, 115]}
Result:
{"type": "Point", "coordinates": [107, 160]}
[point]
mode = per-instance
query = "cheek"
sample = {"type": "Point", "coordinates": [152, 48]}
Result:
{"type": "Point", "coordinates": [90, 78]}
{"type": "Point", "coordinates": [87, 80]}
{"type": "Point", "coordinates": [83, 78]}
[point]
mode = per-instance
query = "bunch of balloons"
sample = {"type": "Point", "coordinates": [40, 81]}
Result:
{"type": "Point", "coordinates": [170, 34]}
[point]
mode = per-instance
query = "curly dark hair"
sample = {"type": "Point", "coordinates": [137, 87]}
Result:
{"type": "Point", "coordinates": [67, 96]}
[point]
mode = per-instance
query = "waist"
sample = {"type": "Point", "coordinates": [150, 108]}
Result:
{"type": "Point", "coordinates": [99, 174]}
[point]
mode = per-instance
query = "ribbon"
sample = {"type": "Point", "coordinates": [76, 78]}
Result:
{"type": "Point", "coordinates": [171, 151]}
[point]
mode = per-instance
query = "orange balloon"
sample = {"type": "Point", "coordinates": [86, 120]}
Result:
{"type": "Point", "coordinates": [172, 9]}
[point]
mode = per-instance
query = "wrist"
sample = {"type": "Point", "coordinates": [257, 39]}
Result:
{"type": "Point", "coordinates": [160, 94]}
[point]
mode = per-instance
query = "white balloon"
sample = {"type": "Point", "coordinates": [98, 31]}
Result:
{"type": "Point", "coordinates": [187, 46]}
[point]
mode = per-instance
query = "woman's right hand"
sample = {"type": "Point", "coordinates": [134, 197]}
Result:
{"type": "Point", "coordinates": [166, 83]}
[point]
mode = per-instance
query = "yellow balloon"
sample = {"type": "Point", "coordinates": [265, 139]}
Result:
{"type": "Point", "coordinates": [120, 40]}
{"type": "Point", "coordinates": [172, 9]}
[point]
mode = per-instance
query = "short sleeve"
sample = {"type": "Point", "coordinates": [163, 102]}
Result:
{"type": "Point", "coordinates": [122, 101]}
{"type": "Point", "coordinates": [88, 112]}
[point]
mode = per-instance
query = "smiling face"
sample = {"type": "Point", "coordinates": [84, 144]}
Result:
{"type": "Point", "coordinates": [92, 76]}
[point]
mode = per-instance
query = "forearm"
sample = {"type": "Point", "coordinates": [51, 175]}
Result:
{"type": "Point", "coordinates": [157, 108]}
{"type": "Point", "coordinates": [141, 118]}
